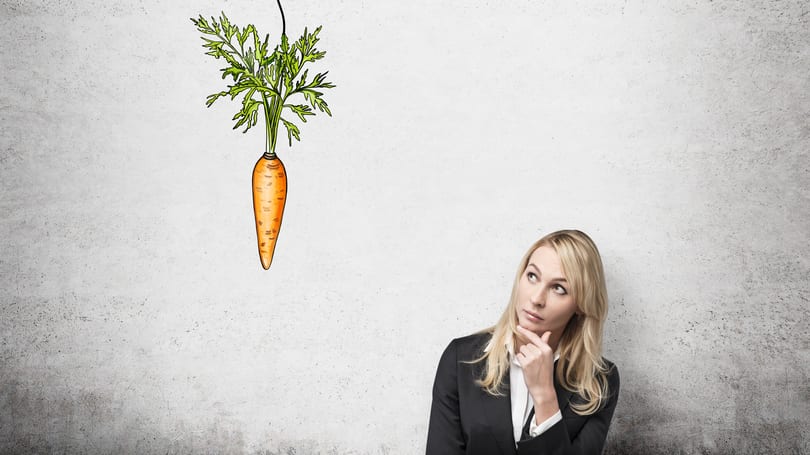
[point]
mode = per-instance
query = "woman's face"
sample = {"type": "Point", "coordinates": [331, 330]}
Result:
{"type": "Point", "coordinates": [544, 299]}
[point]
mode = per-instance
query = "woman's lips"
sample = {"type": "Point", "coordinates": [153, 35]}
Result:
{"type": "Point", "coordinates": [534, 317]}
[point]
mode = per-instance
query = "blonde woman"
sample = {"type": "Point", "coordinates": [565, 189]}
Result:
{"type": "Point", "coordinates": [535, 382]}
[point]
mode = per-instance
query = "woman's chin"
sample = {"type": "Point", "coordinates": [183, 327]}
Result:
{"type": "Point", "coordinates": [534, 326]}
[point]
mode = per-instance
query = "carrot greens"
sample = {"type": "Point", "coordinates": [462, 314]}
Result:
{"type": "Point", "coordinates": [265, 79]}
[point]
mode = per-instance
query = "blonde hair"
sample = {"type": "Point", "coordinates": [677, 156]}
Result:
{"type": "Point", "coordinates": [580, 368]}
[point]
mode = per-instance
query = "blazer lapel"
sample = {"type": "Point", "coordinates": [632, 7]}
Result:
{"type": "Point", "coordinates": [563, 396]}
{"type": "Point", "coordinates": [497, 412]}
{"type": "Point", "coordinates": [498, 415]}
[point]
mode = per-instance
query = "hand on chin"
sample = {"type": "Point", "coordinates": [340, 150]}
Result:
{"type": "Point", "coordinates": [531, 324]}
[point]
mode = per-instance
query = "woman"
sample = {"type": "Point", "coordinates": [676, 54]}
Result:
{"type": "Point", "coordinates": [536, 382]}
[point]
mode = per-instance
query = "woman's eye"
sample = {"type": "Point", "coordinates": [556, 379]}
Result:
{"type": "Point", "coordinates": [532, 277]}
{"type": "Point", "coordinates": [560, 290]}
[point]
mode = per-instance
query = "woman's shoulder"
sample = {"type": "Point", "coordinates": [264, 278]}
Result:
{"type": "Point", "coordinates": [462, 353]}
{"type": "Point", "coordinates": [612, 374]}
{"type": "Point", "coordinates": [610, 365]}
{"type": "Point", "coordinates": [475, 341]}
{"type": "Point", "coordinates": [470, 346]}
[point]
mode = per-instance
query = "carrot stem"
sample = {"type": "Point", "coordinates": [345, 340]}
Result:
{"type": "Point", "coordinates": [270, 142]}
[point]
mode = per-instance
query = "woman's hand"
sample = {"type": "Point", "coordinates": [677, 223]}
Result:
{"type": "Point", "coordinates": [537, 361]}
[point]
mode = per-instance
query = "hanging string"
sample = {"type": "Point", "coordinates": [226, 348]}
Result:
{"type": "Point", "coordinates": [283, 22]}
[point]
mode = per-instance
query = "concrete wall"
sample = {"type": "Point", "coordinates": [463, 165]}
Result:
{"type": "Point", "coordinates": [136, 316]}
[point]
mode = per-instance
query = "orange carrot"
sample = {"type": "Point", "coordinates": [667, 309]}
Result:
{"type": "Point", "coordinates": [269, 198]}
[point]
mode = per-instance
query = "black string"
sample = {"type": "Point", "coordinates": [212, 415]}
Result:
{"type": "Point", "coordinates": [283, 22]}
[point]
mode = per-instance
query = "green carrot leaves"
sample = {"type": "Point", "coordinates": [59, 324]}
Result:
{"type": "Point", "coordinates": [292, 130]}
{"type": "Point", "coordinates": [273, 77]}
{"type": "Point", "coordinates": [301, 110]}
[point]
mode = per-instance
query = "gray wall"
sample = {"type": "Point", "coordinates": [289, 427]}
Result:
{"type": "Point", "coordinates": [136, 316]}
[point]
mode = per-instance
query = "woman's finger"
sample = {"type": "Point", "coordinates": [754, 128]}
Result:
{"type": "Point", "coordinates": [533, 338]}
{"type": "Point", "coordinates": [530, 350]}
{"type": "Point", "coordinates": [521, 334]}
{"type": "Point", "coordinates": [530, 336]}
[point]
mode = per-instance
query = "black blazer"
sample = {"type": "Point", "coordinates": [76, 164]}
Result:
{"type": "Point", "coordinates": [464, 419]}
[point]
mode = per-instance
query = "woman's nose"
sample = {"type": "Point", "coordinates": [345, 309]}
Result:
{"type": "Point", "coordinates": [539, 297]}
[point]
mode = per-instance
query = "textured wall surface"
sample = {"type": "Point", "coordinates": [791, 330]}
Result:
{"type": "Point", "coordinates": [135, 316]}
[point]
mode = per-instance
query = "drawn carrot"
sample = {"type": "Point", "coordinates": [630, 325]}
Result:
{"type": "Point", "coordinates": [269, 198]}
{"type": "Point", "coordinates": [273, 77]}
